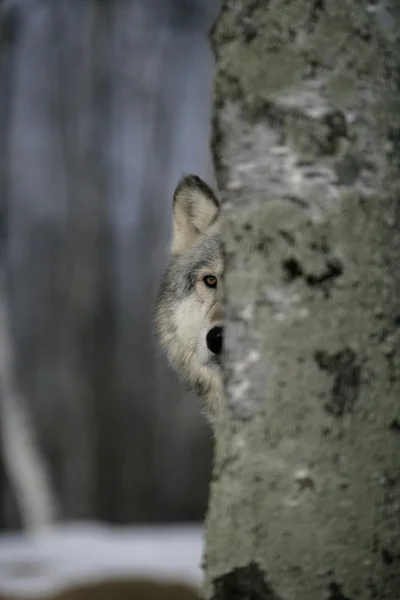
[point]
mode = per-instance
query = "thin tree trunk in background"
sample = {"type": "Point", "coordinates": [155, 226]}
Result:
{"type": "Point", "coordinates": [24, 464]}
{"type": "Point", "coordinates": [100, 114]}
{"type": "Point", "coordinates": [305, 502]}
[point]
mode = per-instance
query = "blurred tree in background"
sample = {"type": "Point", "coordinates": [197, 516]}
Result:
{"type": "Point", "coordinates": [102, 106]}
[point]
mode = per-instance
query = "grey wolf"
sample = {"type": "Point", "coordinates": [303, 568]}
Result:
{"type": "Point", "coordinates": [189, 317]}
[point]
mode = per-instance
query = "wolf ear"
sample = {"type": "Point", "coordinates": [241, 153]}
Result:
{"type": "Point", "coordinates": [195, 209]}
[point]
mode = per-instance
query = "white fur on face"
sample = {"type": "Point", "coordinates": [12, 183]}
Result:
{"type": "Point", "coordinates": [192, 326]}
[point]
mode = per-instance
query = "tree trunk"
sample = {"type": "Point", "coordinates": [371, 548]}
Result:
{"type": "Point", "coordinates": [305, 502]}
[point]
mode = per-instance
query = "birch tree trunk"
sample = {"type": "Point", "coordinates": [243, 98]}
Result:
{"type": "Point", "coordinates": [305, 501]}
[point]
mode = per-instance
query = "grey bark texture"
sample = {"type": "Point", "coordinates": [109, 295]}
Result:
{"type": "Point", "coordinates": [102, 106]}
{"type": "Point", "coordinates": [305, 499]}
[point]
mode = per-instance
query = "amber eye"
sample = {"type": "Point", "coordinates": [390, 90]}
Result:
{"type": "Point", "coordinates": [210, 281]}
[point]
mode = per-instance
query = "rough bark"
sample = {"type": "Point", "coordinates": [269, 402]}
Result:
{"type": "Point", "coordinates": [305, 500]}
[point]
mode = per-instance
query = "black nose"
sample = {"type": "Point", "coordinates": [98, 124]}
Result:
{"type": "Point", "coordinates": [214, 340]}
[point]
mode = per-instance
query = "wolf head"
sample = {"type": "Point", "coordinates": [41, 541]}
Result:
{"type": "Point", "coordinates": [188, 309]}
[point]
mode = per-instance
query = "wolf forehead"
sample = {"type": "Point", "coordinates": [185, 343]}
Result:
{"type": "Point", "coordinates": [183, 270]}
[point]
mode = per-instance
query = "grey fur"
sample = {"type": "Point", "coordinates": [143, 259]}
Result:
{"type": "Point", "coordinates": [187, 309]}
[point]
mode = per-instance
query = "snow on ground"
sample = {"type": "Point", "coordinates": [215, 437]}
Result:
{"type": "Point", "coordinates": [88, 552]}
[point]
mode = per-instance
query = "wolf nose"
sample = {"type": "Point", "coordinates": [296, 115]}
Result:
{"type": "Point", "coordinates": [214, 340]}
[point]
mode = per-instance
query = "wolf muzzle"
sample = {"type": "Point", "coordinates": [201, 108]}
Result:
{"type": "Point", "coordinates": [214, 340]}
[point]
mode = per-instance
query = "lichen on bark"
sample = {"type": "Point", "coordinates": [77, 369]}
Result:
{"type": "Point", "coordinates": [306, 134]}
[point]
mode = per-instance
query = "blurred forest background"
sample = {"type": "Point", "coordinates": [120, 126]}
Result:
{"type": "Point", "coordinates": [103, 105]}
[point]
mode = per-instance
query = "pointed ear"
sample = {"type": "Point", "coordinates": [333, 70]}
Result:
{"type": "Point", "coordinates": [195, 209]}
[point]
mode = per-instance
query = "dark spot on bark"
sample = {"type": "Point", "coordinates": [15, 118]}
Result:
{"type": "Point", "coordinates": [325, 572]}
{"type": "Point", "coordinates": [394, 139]}
{"type": "Point", "coordinates": [336, 121]}
{"type": "Point", "coordinates": [288, 237]}
{"type": "Point", "coordinates": [395, 425]}
{"type": "Point", "coordinates": [347, 169]}
{"type": "Point", "coordinates": [320, 245]}
{"type": "Point", "coordinates": [316, 8]}
{"type": "Point", "coordinates": [305, 483]}
{"type": "Point", "coordinates": [369, 164]}
{"type": "Point", "coordinates": [333, 269]}
{"type": "Point", "coordinates": [336, 592]}
{"type": "Point", "coordinates": [244, 583]}
{"type": "Point", "coordinates": [249, 32]}
{"type": "Point", "coordinates": [265, 110]}
{"type": "Point", "coordinates": [363, 32]}
{"type": "Point", "coordinates": [389, 480]}
{"type": "Point", "coordinates": [263, 244]}
{"type": "Point", "coordinates": [292, 269]}
{"type": "Point", "coordinates": [373, 588]}
{"type": "Point", "coordinates": [296, 200]}
{"type": "Point", "coordinates": [325, 431]}
{"type": "Point", "coordinates": [346, 379]}
{"type": "Point", "coordinates": [335, 126]}
{"type": "Point", "coordinates": [246, 10]}
{"type": "Point", "coordinates": [388, 557]}
{"type": "Point", "coordinates": [313, 65]}
{"type": "Point", "coordinates": [216, 143]}
{"type": "Point", "coordinates": [397, 320]}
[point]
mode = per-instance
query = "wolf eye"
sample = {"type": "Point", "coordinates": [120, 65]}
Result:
{"type": "Point", "coordinates": [210, 281]}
